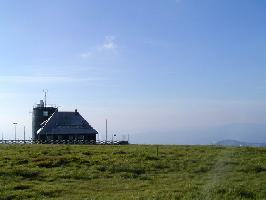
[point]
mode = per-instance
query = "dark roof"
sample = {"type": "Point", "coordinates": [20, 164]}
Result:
{"type": "Point", "coordinates": [66, 123]}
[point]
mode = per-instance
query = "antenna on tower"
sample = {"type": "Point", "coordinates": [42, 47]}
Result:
{"type": "Point", "coordinates": [45, 96]}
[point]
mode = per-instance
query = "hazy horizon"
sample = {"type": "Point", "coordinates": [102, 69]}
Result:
{"type": "Point", "coordinates": [171, 72]}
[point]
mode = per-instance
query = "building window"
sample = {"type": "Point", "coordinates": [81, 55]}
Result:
{"type": "Point", "coordinates": [45, 113]}
{"type": "Point", "coordinates": [49, 137]}
{"type": "Point", "coordinates": [81, 137]}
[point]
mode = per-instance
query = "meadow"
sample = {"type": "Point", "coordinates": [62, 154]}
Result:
{"type": "Point", "coordinates": [131, 172]}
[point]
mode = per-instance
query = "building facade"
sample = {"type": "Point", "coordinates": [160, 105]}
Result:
{"type": "Point", "coordinates": [50, 124]}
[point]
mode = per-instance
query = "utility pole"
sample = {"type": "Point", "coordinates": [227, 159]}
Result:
{"type": "Point", "coordinates": [24, 133]}
{"type": "Point", "coordinates": [106, 130]}
{"type": "Point", "coordinates": [15, 125]}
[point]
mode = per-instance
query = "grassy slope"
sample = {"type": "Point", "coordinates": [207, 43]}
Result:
{"type": "Point", "coordinates": [131, 172]}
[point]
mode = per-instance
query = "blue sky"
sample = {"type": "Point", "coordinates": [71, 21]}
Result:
{"type": "Point", "coordinates": [152, 68]}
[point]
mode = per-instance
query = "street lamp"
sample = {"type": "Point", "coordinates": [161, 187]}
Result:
{"type": "Point", "coordinates": [113, 135]}
{"type": "Point", "coordinates": [24, 133]}
{"type": "Point", "coordinates": [15, 125]}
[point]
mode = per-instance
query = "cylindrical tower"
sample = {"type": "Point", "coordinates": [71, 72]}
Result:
{"type": "Point", "coordinates": [39, 115]}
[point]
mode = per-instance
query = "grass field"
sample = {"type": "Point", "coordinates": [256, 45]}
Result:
{"type": "Point", "coordinates": [131, 172]}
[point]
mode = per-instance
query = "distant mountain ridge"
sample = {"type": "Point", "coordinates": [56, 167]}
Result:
{"type": "Point", "coordinates": [252, 133]}
{"type": "Point", "coordinates": [239, 143]}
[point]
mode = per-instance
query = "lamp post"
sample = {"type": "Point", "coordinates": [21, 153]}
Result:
{"type": "Point", "coordinates": [24, 133]}
{"type": "Point", "coordinates": [15, 125]}
{"type": "Point", "coordinates": [113, 138]}
{"type": "Point", "coordinates": [106, 130]}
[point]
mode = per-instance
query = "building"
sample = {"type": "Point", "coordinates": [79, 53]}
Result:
{"type": "Point", "coordinates": [40, 114]}
{"type": "Point", "coordinates": [50, 124]}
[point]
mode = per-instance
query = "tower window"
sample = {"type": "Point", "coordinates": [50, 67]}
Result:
{"type": "Point", "coordinates": [45, 113]}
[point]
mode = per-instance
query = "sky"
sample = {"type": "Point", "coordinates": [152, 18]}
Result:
{"type": "Point", "coordinates": [162, 71]}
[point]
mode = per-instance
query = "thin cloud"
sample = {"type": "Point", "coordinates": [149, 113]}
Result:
{"type": "Point", "coordinates": [86, 54]}
{"type": "Point", "coordinates": [7, 94]}
{"type": "Point", "coordinates": [44, 79]}
{"type": "Point", "coordinates": [157, 43]}
{"type": "Point", "coordinates": [109, 45]}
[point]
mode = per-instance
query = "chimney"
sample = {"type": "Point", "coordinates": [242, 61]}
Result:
{"type": "Point", "coordinates": [76, 112]}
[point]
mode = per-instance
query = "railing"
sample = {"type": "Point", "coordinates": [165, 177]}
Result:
{"type": "Point", "coordinates": [16, 142]}
{"type": "Point", "coordinates": [86, 142]}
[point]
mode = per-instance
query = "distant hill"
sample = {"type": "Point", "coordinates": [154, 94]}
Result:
{"type": "Point", "coordinates": [249, 132]}
{"type": "Point", "coordinates": [238, 143]}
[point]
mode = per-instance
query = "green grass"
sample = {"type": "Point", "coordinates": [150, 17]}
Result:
{"type": "Point", "coordinates": [131, 172]}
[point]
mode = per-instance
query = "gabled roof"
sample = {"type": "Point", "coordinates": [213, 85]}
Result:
{"type": "Point", "coordinates": [66, 123]}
